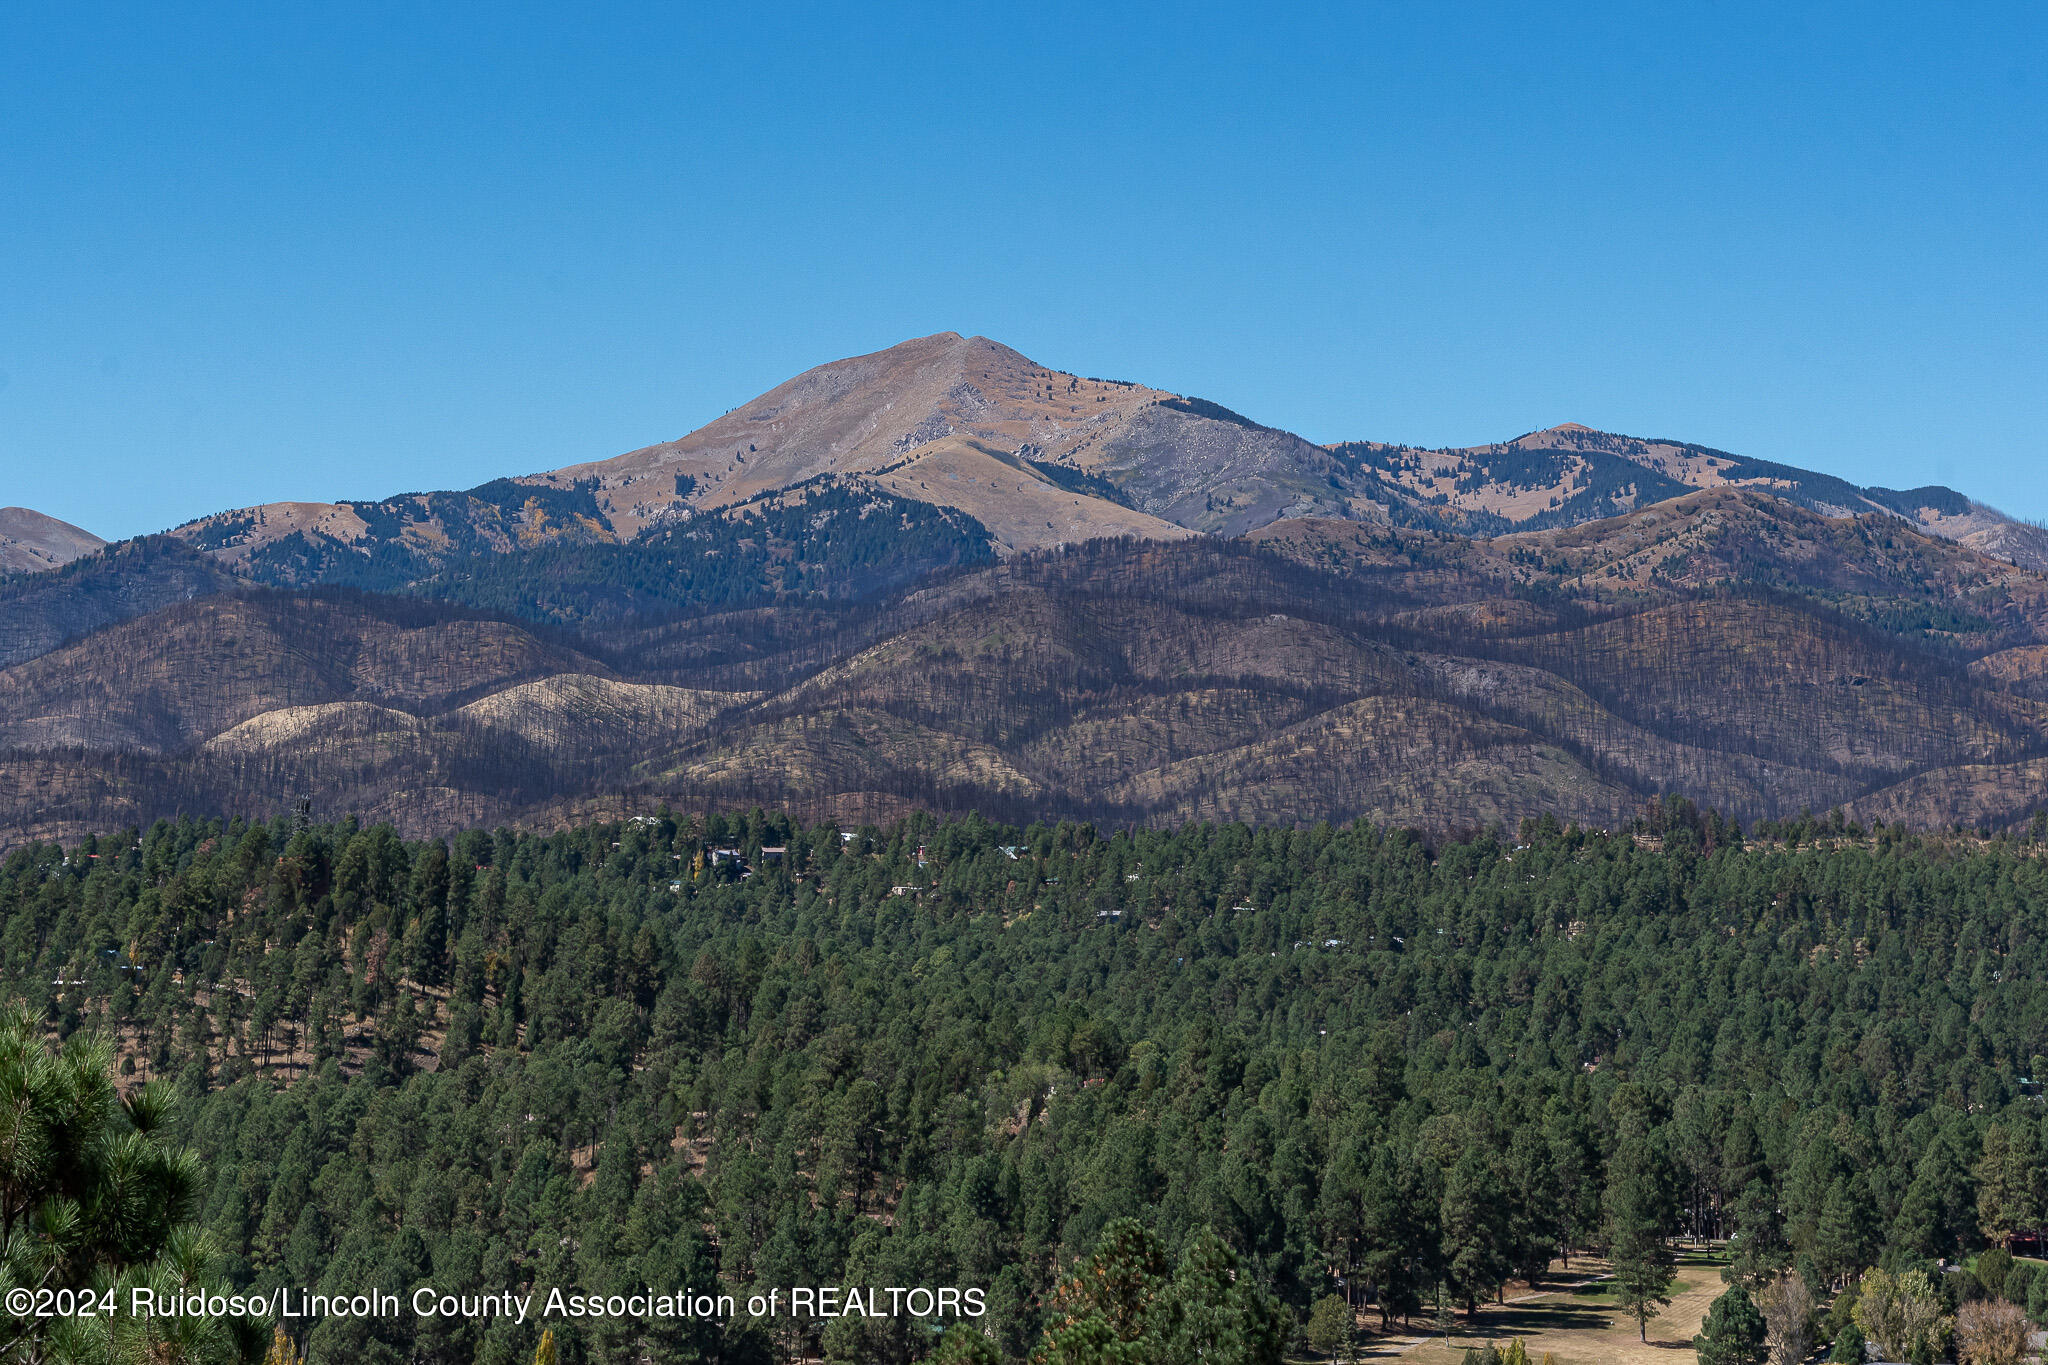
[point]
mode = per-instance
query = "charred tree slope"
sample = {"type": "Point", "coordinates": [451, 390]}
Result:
{"type": "Point", "coordinates": [1760, 664]}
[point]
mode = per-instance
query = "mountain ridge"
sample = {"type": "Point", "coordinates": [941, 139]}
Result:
{"type": "Point", "coordinates": [1590, 474]}
{"type": "Point", "coordinates": [1043, 457]}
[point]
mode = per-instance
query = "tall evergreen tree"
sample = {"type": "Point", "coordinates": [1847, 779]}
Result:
{"type": "Point", "coordinates": [1219, 1313]}
{"type": "Point", "coordinates": [1938, 1213]}
{"type": "Point", "coordinates": [1845, 1239]}
{"type": "Point", "coordinates": [1476, 1229]}
{"type": "Point", "coordinates": [2010, 1180]}
{"type": "Point", "coordinates": [1638, 1246]}
{"type": "Point", "coordinates": [1758, 1249]}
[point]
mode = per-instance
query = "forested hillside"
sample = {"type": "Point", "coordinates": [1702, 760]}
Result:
{"type": "Point", "coordinates": [545, 555]}
{"type": "Point", "coordinates": [675, 1051]}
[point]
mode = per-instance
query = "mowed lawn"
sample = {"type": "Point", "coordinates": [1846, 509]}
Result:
{"type": "Point", "coordinates": [1583, 1326]}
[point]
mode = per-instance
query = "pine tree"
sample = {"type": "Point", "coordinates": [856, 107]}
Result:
{"type": "Point", "coordinates": [1119, 1307]}
{"type": "Point", "coordinates": [1476, 1231]}
{"type": "Point", "coordinates": [1218, 1312]}
{"type": "Point", "coordinates": [1742, 1157]}
{"type": "Point", "coordinates": [1536, 1205]}
{"type": "Point", "coordinates": [1574, 1168]}
{"type": "Point", "coordinates": [964, 1344]}
{"type": "Point", "coordinates": [1759, 1248]}
{"type": "Point", "coordinates": [1122, 1285]}
{"type": "Point", "coordinates": [1994, 1268]}
{"type": "Point", "coordinates": [90, 1195]}
{"type": "Point", "coordinates": [1397, 1236]}
{"type": "Point", "coordinates": [1329, 1325]}
{"type": "Point", "coordinates": [1637, 1201]}
{"type": "Point", "coordinates": [2010, 1178]}
{"type": "Point", "coordinates": [1939, 1210]}
{"type": "Point", "coordinates": [1443, 1316]}
{"type": "Point", "coordinates": [1843, 1239]}
{"type": "Point", "coordinates": [1733, 1333]}
{"type": "Point", "coordinates": [1113, 1307]}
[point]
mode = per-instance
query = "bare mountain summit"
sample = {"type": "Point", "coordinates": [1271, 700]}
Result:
{"type": "Point", "coordinates": [31, 541]}
{"type": "Point", "coordinates": [1039, 455]}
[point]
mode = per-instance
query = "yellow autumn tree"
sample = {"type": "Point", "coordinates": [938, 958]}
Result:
{"type": "Point", "coordinates": [280, 1352]}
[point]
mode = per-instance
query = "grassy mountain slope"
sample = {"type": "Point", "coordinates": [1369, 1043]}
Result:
{"type": "Point", "coordinates": [31, 541]}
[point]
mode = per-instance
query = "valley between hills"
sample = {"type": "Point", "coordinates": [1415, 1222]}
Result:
{"type": "Point", "coordinates": [946, 577]}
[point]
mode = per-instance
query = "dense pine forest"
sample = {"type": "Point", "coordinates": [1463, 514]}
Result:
{"type": "Point", "coordinates": [1258, 1068]}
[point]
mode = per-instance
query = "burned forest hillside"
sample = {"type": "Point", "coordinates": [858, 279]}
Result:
{"type": "Point", "coordinates": [1731, 646]}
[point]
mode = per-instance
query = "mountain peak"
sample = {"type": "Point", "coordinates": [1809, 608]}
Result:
{"type": "Point", "coordinates": [1086, 457]}
{"type": "Point", "coordinates": [31, 541]}
{"type": "Point", "coordinates": [936, 341]}
{"type": "Point", "coordinates": [1566, 433]}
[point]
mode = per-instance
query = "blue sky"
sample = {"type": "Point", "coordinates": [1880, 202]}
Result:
{"type": "Point", "coordinates": [254, 254]}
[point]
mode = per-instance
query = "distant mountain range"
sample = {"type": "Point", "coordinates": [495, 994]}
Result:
{"type": "Point", "coordinates": [1039, 457]}
{"type": "Point", "coordinates": [946, 575]}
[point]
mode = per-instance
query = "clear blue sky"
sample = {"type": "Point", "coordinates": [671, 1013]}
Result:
{"type": "Point", "coordinates": [253, 254]}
